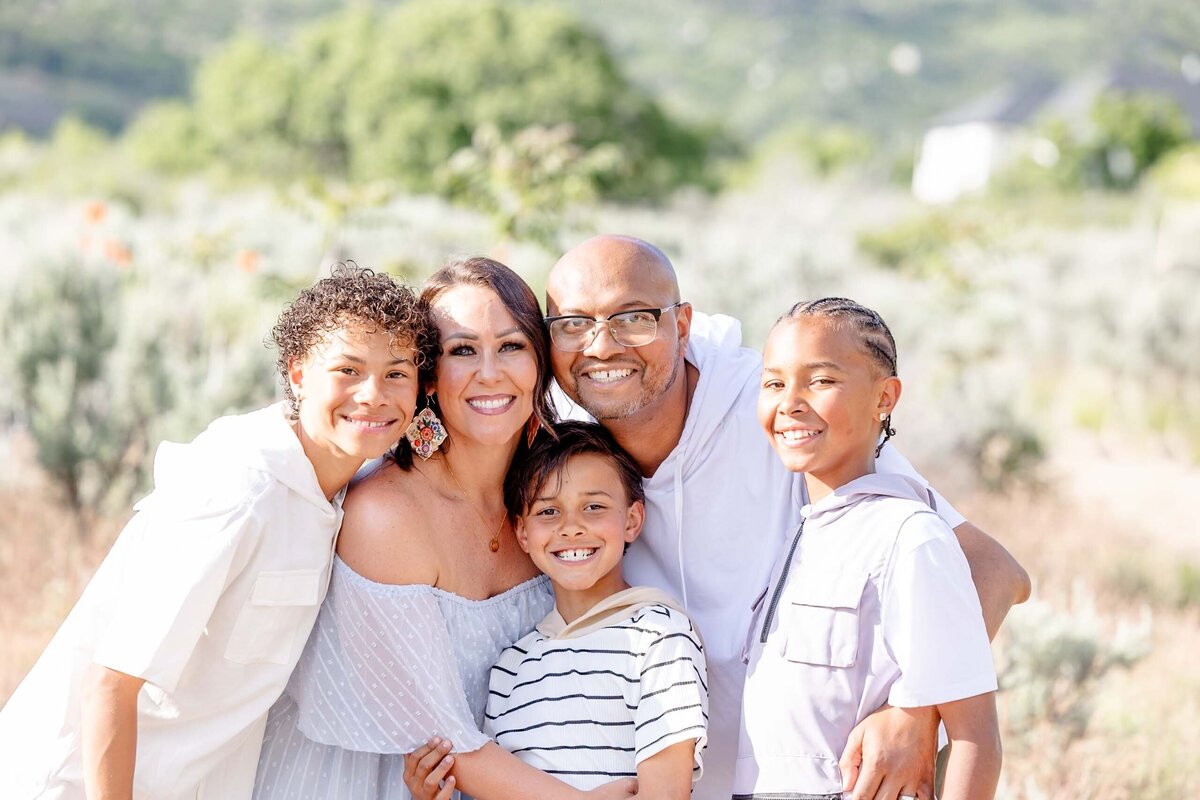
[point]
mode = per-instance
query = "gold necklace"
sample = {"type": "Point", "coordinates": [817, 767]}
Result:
{"type": "Point", "coordinates": [494, 543]}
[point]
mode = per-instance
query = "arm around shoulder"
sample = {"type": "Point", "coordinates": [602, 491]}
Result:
{"type": "Point", "coordinates": [1000, 580]}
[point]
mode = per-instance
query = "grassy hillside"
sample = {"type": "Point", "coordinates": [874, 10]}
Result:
{"type": "Point", "coordinates": [753, 66]}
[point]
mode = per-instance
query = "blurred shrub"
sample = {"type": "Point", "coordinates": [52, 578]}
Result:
{"type": "Point", "coordinates": [1052, 660]}
{"type": "Point", "coordinates": [368, 95]}
{"type": "Point", "coordinates": [1125, 136]}
{"type": "Point", "coordinates": [1163, 581]}
{"type": "Point", "coordinates": [526, 183]}
{"type": "Point", "coordinates": [1007, 453]}
{"type": "Point", "coordinates": [1133, 131]}
{"type": "Point", "coordinates": [826, 150]}
{"type": "Point", "coordinates": [1178, 173]}
{"type": "Point", "coordinates": [60, 334]}
{"type": "Point", "coordinates": [925, 246]}
{"type": "Point", "coordinates": [103, 366]}
{"type": "Point", "coordinates": [19, 156]}
{"type": "Point", "coordinates": [165, 137]}
{"type": "Point", "coordinates": [76, 141]}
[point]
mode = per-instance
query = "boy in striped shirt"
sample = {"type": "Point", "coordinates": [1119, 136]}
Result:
{"type": "Point", "coordinates": [612, 682]}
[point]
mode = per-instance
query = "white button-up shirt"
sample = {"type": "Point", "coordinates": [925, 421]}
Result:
{"type": "Point", "coordinates": [209, 595]}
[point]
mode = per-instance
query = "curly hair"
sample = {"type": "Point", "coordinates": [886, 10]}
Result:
{"type": "Point", "coordinates": [352, 296]}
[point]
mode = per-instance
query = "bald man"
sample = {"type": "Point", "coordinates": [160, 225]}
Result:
{"type": "Point", "coordinates": [679, 392]}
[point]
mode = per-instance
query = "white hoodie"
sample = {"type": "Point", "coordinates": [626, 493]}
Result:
{"type": "Point", "coordinates": [718, 510]}
{"type": "Point", "coordinates": [209, 595]}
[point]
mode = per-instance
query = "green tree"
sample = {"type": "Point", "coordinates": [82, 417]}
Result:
{"type": "Point", "coordinates": [526, 183]}
{"type": "Point", "coordinates": [370, 95]}
{"type": "Point", "coordinates": [1128, 134]}
{"type": "Point", "coordinates": [243, 100]}
{"type": "Point", "coordinates": [166, 137]}
{"type": "Point", "coordinates": [1134, 131]}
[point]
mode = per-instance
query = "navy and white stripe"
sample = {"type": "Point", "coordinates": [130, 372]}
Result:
{"type": "Point", "coordinates": [589, 709]}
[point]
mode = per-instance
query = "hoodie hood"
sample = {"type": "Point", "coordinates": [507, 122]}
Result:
{"type": "Point", "coordinates": [717, 421]}
{"type": "Point", "coordinates": [876, 484]}
{"type": "Point", "coordinates": [619, 606]}
{"type": "Point", "coordinates": [261, 442]}
{"type": "Point", "coordinates": [715, 349]}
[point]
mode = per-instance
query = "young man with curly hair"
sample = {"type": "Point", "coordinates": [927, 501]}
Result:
{"type": "Point", "coordinates": [158, 683]}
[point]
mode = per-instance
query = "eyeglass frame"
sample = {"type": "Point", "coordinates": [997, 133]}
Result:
{"type": "Point", "coordinates": [607, 321]}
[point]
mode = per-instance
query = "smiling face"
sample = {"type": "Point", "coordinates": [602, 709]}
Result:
{"type": "Point", "coordinates": [357, 389]}
{"type": "Point", "coordinates": [603, 276]}
{"type": "Point", "coordinates": [819, 402]}
{"type": "Point", "coordinates": [487, 373]}
{"type": "Point", "coordinates": [576, 530]}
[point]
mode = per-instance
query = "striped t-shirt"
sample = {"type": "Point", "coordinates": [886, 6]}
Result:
{"type": "Point", "coordinates": [589, 709]}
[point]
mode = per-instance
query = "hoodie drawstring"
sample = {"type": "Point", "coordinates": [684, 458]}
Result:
{"type": "Point", "coordinates": [679, 531]}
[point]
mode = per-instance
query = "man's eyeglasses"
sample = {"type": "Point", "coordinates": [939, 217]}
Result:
{"type": "Point", "coordinates": [633, 328]}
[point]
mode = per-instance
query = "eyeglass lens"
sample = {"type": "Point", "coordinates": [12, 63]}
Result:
{"type": "Point", "coordinates": [630, 329]}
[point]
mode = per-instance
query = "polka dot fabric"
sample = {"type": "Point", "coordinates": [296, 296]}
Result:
{"type": "Point", "coordinates": [385, 668]}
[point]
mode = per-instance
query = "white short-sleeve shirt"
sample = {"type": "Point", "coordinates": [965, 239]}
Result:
{"type": "Point", "coordinates": [877, 606]}
{"type": "Point", "coordinates": [208, 595]}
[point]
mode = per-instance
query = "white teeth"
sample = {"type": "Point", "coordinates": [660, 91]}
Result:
{"type": "Point", "coordinates": [575, 555]}
{"type": "Point", "coordinates": [491, 404]}
{"type": "Point", "coordinates": [606, 375]}
{"type": "Point", "coordinates": [795, 436]}
{"type": "Point", "coordinates": [366, 423]}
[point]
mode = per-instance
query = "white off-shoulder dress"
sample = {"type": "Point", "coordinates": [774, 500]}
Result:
{"type": "Point", "coordinates": [387, 667]}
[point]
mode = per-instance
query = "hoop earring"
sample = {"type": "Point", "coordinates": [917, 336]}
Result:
{"type": "Point", "coordinates": [426, 432]}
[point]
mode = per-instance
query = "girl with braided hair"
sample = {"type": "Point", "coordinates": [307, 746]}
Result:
{"type": "Point", "coordinates": [873, 602]}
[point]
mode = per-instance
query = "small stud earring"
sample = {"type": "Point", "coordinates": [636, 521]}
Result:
{"type": "Point", "coordinates": [882, 416]}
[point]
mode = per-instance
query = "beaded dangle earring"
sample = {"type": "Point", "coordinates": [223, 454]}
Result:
{"type": "Point", "coordinates": [426, 432]}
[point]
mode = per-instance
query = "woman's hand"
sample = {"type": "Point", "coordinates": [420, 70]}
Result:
{"type": "Point", "coordinates": [426, 770]}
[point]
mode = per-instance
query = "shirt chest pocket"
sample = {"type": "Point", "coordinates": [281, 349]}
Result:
{"type": "Point", "coordinates": [274, 624]}
{"type": "Point", "coordinates": [824, 620]}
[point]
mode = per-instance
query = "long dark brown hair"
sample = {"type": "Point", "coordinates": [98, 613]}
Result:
{"type": "Point", "coordinates": [520, 301]}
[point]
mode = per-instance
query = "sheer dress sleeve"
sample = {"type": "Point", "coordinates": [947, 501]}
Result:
{"type": "Point", "coordinates": [379, 673]}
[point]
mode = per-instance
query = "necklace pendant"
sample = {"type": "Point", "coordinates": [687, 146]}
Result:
{"type": "Point", "coordinates": [494, 545]}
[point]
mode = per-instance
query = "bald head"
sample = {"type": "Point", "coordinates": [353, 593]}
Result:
{"type": "Point", "coordinates": [616, 383]}
{"type": "Point", "coordinates": [608, 267]}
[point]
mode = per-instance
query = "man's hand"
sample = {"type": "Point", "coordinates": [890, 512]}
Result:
{"type": "Point", "coordinates": [891, 753]}
{"type": "Point", "coordinates": [426, 771]}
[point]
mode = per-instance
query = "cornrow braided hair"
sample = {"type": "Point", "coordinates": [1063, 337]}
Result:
{"type": "Point", "coordinates": [877, 340]}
